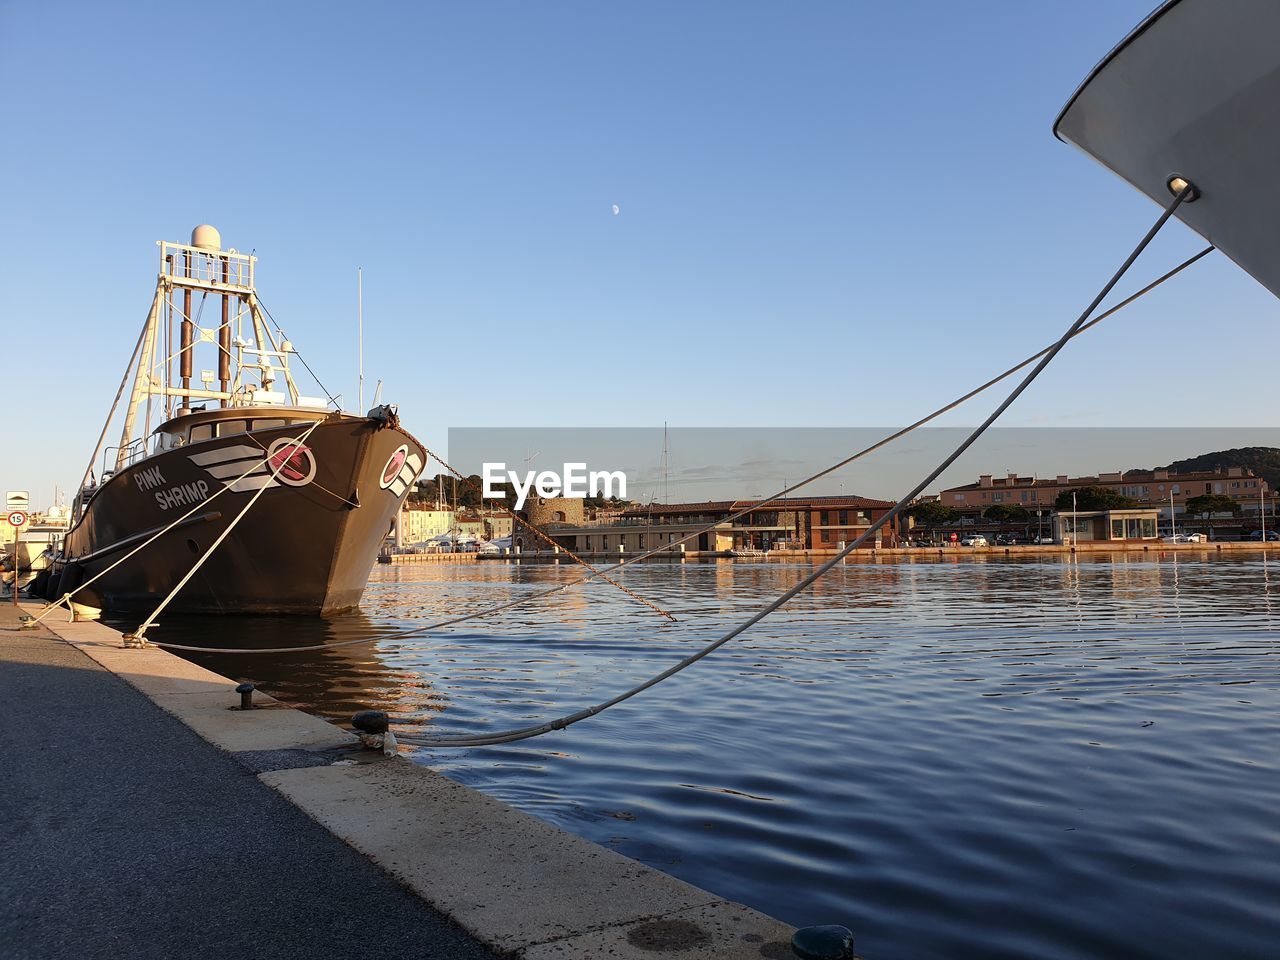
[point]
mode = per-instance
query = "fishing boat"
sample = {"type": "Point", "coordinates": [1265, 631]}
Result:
{"type": "Point", "coordinates": [1186, 102]}
{"type": "Point", "coordinates": [232, 489]}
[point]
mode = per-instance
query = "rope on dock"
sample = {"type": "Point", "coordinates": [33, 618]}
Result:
{"type": "Point", "coordinates": [520, 601]}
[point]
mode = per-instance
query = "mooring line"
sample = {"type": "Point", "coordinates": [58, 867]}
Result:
{"type": "Point", "coordinates": [560, 723]}
{"type": "Point", "coordinates": [562, 588]}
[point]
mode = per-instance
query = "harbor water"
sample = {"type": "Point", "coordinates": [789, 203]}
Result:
{"type": "Point", "coordinates": [965, 756]}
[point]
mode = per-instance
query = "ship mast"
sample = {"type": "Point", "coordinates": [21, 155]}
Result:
{"type": "Point", "coordinates": [247, 368]}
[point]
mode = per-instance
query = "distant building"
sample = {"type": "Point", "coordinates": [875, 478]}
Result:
{"type": "Point", "coordinates": [1085, 526]}
{"type": "Point", "coordinates": [418, 522]}
{"type": "Point", "coordinates": [809, 523]}
{"type": "Point", "coordinates": [469, 527]}
{"type": "Point", "coordinates": [1148, 487]}
{"type": "Point", "coordinates": [497, 524]}
{"type": "Point", "coordinates": [548, 514]}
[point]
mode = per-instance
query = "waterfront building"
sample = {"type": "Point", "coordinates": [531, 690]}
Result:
{"type": "Point", "coordinates": [498, 524]}
{"type": "Point", "coordinates": [468, 526]}
{"type": "Point", "coordinates": [547, 514]}
{"type": "Point", "coordinates": [809, 523]}
{"type": "Point", "coordinates": [1084, 526]}
{"type": "Point", "coordinates": [418, 522]}
{"type": "Point", "coordinates": [1154, 488]}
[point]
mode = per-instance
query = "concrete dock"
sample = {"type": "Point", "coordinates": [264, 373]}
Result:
{"type": "Point", "coordinates": [147, 818]}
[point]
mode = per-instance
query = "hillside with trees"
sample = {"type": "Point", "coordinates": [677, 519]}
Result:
{"type": "Point", "coordinates": [1264, 461]}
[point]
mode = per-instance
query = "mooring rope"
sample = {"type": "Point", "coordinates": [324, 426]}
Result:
{"type": "Point", "coordinates": [562, 588]}
{"type": "Point", "coordinates": [560, 723]}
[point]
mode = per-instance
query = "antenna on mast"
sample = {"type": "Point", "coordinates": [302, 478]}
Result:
{"type": "Point", "coordinates": [360, 330]}
{"type": "Point", "coordinates": [666, 465]}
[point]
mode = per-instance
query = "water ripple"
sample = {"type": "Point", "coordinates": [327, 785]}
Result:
{"type": "Point", "coordinates": [955, 757]}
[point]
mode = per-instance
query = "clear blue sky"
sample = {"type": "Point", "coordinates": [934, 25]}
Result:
{"type": "Point", "coordinates": [830, 213]}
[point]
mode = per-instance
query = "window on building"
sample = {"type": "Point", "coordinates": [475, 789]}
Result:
{"type": "Point", "coordinates": [642, 541]}
{"type": "Point", "coordinates": [844, 518]}
{"type": "Point", "coordinates": [959, 498]}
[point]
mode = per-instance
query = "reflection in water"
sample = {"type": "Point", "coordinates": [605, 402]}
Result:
{"type": "Point", "coordinates": [954, 756]}
{"type": "Point", "coordinates": [334, 683]}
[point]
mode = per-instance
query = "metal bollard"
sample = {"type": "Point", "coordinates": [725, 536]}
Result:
{"type": "Point", "coordinates": [372, 729]}
{"type": "Point", "coordinates": [828, 942]}
{"type": "Point", "coordinates": [370, 721]}
{"type": "Point", "coordinates": [246, 695]}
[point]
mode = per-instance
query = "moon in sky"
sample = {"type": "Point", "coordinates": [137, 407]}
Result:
{"type": "Point", "coordinates": [616, 210]}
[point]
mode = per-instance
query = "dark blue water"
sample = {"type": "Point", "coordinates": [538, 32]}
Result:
{"type": "Point", "coordinates": [969, 758]}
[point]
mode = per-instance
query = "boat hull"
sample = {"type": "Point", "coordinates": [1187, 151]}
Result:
{"type": "Point", "coordinates": [306, 546]}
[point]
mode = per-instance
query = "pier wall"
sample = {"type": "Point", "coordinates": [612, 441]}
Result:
{"type": "Point", "coordinates": [518, 885]}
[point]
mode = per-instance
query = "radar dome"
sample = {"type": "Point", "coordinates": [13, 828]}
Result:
{"type": "Point", "coordinates": [206, 238]}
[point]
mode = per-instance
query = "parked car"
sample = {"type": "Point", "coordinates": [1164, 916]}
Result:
{"type": "Point", "coordinates": [1265, 535]}
{"type": "Point", "coordinates": [1009, 539]}
{"type": "Point", "coordinates": [974, 540]}
{"type": "Point", "coordinates": [1185, 538]}
{"type": "Point", "coordinates": [1043, 538]}
{"type": "Point", "coordinates": [1197, 538]}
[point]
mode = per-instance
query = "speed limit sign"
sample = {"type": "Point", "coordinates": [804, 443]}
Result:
{"type": "Point", "coordinates": [17, 518]}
